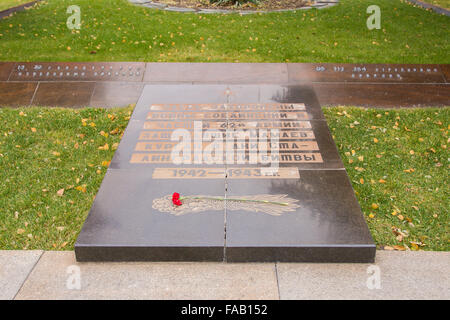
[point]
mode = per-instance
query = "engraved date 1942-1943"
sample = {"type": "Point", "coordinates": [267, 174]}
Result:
{"type": "Point", "coordinates": [229, 309]}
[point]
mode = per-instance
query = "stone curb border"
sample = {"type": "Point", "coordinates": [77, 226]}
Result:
{"type": "Point", "coordinates": [8, 12]}
{"type": "Point", "coordinates": [430, 6]}
{"type": "Point", "coordinates": [320, 4]}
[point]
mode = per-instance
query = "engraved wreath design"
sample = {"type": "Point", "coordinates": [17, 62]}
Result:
{"type": "Point", "coordinates": [265, 203]}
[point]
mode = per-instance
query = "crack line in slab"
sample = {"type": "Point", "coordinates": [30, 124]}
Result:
{"type": "Point", "coordinates": [228, 91]}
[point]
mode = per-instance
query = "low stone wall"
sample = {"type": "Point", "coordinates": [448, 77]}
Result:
{"type": "Point", "coordinates": [10, 11]}
{"type": "Point", "coordinates": [163, 6]}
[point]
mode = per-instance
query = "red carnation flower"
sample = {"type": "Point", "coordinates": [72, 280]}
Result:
{"type": "Point", "coordinates": [176, 199]}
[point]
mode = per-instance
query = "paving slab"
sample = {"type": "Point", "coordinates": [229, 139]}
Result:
{"type": "Point", "coordinates": [446, 71]}
{"type": "Point", "coordinates": [5, 70]}
{"type": "Point", "coordinates": [381, 95]}
{"type": "Point", "coordinates": [116, 94]}
{"type": "Point", "coordinates": [126, 223]}
{"type": "Point", "coordinates": [17, 94]}
{"type": "Point", "coordinates": [15, 266]}
{"type": "Point", "coordinates": [147, 280]}
{"type": "Point", "coordinates": [324, 224]}
{"type": "Point", "coordinates": [63, 94]}
{"type": "Point", "coordinates": [216, 72]}
{"type": "Point", "coordinates": [403, 275]}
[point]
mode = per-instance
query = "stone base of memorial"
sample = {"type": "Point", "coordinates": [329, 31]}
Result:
{"type": "Point", "coordinates": [282, 195]}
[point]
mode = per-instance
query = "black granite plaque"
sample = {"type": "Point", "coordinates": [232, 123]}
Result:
{"type": "Point", "coordinates": [272, 189]}
{"type": "Point", "coordinates": [326, 224]}
{"type": "Point", "coordinates": [125, 225]}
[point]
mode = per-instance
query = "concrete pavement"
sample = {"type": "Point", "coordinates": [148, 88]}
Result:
{"type": "Point", "coordinates": [56, 275]}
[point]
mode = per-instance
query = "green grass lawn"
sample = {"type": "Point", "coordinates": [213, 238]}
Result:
{"type": "Point", "coordinates": [114, 30]}
{"type": "Point", "coordinates": [43, 151]}
{"type": "Point", "coordinates": [398, 162]}
{"type": "Point", "coordinates": [6, 4]}
{"type": "Point", "coordinates": [401, 180]}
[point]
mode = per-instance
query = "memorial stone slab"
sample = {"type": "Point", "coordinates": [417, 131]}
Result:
{"type": "Point", "coordinates": [383, 95]}
{"type": "Point", "coordinates": [16, 94]}
{"type": "Point", "coordinates": [326, 224]}
{"type": "Point", "coordinates": [64, 94]}
{"type": "Point", "coordinates": [271, 188]}
{"type": "Point", "coordinates": [5, 70]}
{"type": "Point", "coordinates": [446, 70]}
{"type": "Point", "coordinates": [116, 94]}
{"type": "Point", "coordinates": [216, 72]}
{"type": "Point", "coordinates": [124, 223]}
{"type": "Point", "coordinates": [128, 202]}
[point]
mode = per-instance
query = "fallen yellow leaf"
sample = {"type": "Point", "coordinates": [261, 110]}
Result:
{"type": "Point", "coordinates": [81, 188]}
{"type": "Point", "coordinates": [106, 163]}
{"type": "Point", "coordinates": [105, 147]}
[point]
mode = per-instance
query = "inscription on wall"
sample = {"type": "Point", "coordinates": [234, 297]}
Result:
{"type": "Point", "coordinates": [410, 73]}
{"type": "Point", "coordinates": [303, 72]}
{"type": "Point", "coordinates": [110, 71]}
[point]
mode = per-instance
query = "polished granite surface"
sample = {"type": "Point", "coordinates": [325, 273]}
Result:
{"type": "Point", "coordinates": [124, 225]}
{"type": "Point", "coordinates": [133, 218]}
{"type": "Point", "coordinates": [327, 216]}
